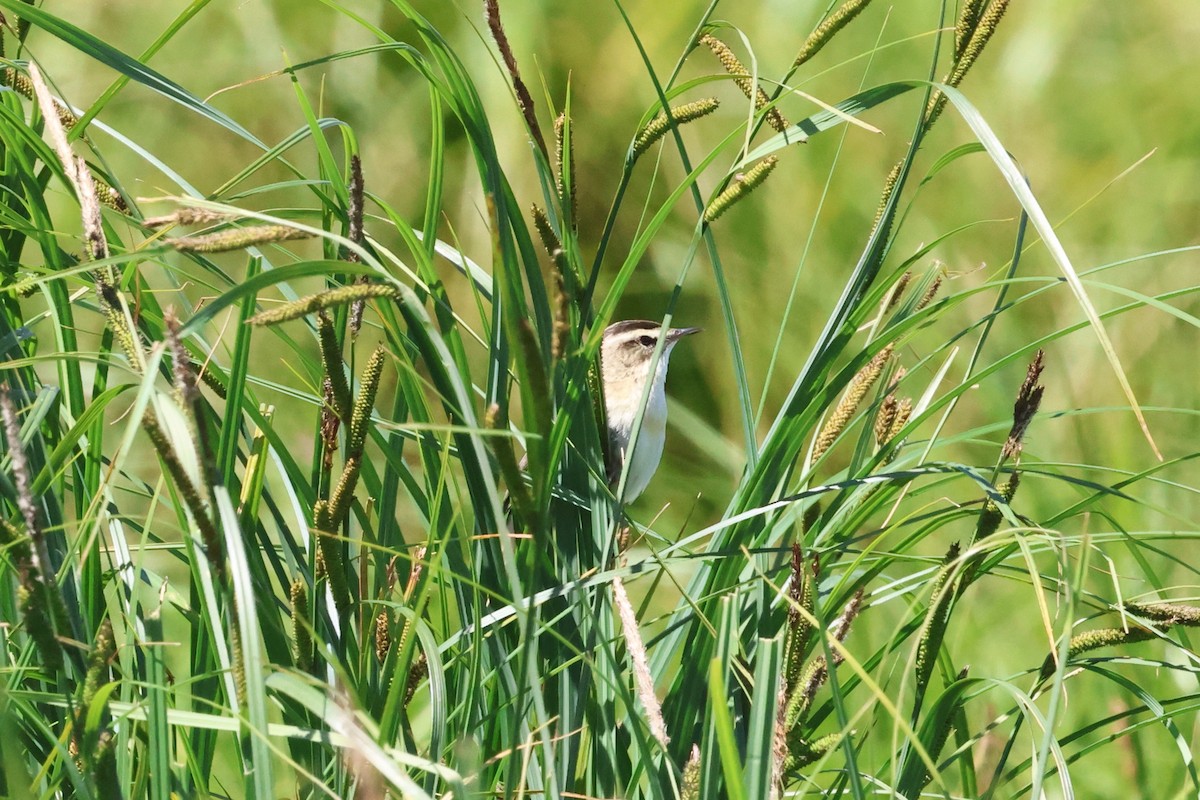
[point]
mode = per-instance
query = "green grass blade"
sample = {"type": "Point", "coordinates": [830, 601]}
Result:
{"type": "Point", "coordinates": [764, 710]}
{"type": "Point", "coordinates": [113, 58]}
{"type": "Point", "coordinates": [1020, 188]}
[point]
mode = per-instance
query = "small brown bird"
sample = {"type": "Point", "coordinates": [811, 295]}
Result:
{"type": "Point", "coordinates": [626, 358]}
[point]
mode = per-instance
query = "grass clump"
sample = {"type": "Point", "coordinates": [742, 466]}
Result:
{"type": "Point", "coordinates": [267, 529]}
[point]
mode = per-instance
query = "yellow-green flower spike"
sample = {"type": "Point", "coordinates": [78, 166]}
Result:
{"type": "Point", "coordinates": [741, 77]}
{"type": "Point", "coordinates": [969, 53]}
{"type": "Point", "coordinates": [115, 315]}
{"type": "Point", "coordinates": [237, 656]}
{"type": "Point", "coordinates": [316, 302]}
{"type": "Point", "coordinates": [416, 674]}
{"type": "Point", "coordinates": [863, 380]}
{"type": "Point", "coordinates": [1093, 640]}
{"type": "Point", "coordinates": [109, 196]}
{"type": "Point", "coordinates": [22, 85]}
{"type": "Point", "coordinates": [964, 26]}
{"type": "Point", "coordinates": [690, 783]}
{"type": "Point", "coordinates": [989, 515]}
{"type": "Point", "coordinates": [801, 595]}
{"type": "Point", "coordinates": [550, 240]}
{"type": "Point", "coordinates": [331, 556]}
{"type": "Point", "coordinates": [237, 239]}
{"type": "Point", "coordinates": [889, 186]}
{"type": "Point", "coordinates": [743, 183]}
{"type": "Point", "coordinates": [564, 157]}
{"type": "Point", "coordinates": [828, 29]}
{"type": "Point", "coordinates": [331, 360]}
{"type": "Point", "coordinates": [360, 418]}
{"type": "Point", "coordinates": [802, 752]}
{"type": "Point", "coordinates": [884, 419]}
{"type": "Point", "coordinates": [301, 624]}
{"type": "Point", "coordinates": [383, 636]}
{"type": "Point", "coordinates": [97, 669]}
{"type": "Point", "coordinates": [681, 115]}
{"type": "Point", "coordinates": [983, 32]}
{"type": "Point", "coordinates": [936, 620]}
{"type": "Point", "coordinates": [343, 493]}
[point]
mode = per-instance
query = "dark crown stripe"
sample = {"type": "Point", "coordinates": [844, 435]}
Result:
{"type": "Point", "coordinates": [632, 325]}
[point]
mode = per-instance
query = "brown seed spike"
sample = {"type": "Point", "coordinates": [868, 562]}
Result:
{"type": "Point", "coordinates": [885, 419]}
{"type": "Point", "coordinates": [524, 100]}
{"type": "Point", "coordinates": [355, 210]}
{"type": "Point", "coordinates": [188, 216]}
{"type": "Point", "coordinates": [181, 361]}
{"type": "Point", "coordinates": [19, 469]}
{"type": "Point", "coordinates": [796, 586]}
{"type": "Point", "coordinates": [841, 626]}
{"type": "Point", "coordinates": [930, 293]}
{"type": "Point", "coordinates": [1029, 398]}
{"type": "Point", "coordinates": [331, 423]}
{"type": "Point", "coordinates": [903, 412]}
{"type": "Point", "coordinates": [1171, 613]}
{"type": "Point", "coordinates": [893, 297]}
{"type": "Point", "coordinates": [414, 574]}
{"type": "Point", "coordinates": [797, 565]}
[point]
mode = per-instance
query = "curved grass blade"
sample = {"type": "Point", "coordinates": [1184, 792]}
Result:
{"type": "Point", "coordinates": [110, 56]}
{"type": "Point", "coordinates": [825, 120]}
{"type": "Point", "coordinates": [1016, 180]}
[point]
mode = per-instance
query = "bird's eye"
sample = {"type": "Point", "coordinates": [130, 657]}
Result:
{"type": "Point", "coordinates": [646, 341]}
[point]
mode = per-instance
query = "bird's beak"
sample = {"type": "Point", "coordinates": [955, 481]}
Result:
{"type": "Point", "coordinates": [675, 334]}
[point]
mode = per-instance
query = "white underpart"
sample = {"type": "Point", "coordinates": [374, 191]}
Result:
{"type": "Point", "coordinates": [647, 451]}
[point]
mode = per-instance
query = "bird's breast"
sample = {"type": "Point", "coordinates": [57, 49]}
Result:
{"type": "Point", "coordinates": [647, 452]}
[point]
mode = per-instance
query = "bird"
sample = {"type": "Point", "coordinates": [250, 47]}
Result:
{"type": "Point", "coordinates": [626, 363]}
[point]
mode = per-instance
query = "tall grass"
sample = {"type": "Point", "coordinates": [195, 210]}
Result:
{"type": "Point", "coordinates": [265, 529]}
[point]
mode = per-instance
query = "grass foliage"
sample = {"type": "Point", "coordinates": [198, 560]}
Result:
{"type": "Point", "coordinates": [264, 528]}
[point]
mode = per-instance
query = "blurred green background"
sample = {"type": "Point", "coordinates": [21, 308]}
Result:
{"type": "Point", "coordinates": [1094, 100]}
